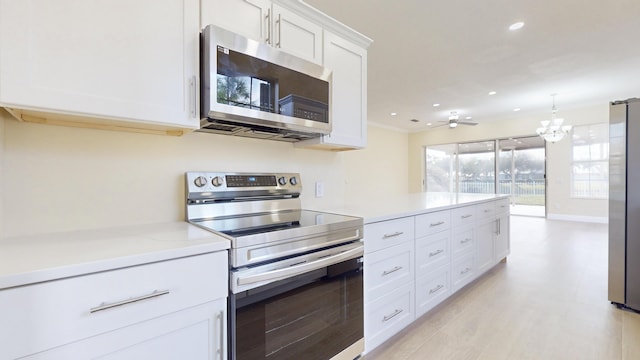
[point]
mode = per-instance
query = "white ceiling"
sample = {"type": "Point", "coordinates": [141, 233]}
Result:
{"type": "Point", "coordinates": [454, 52]}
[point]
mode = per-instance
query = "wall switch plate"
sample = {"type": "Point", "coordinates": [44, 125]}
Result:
{"type": "Point", "coordinates": [319, 189]}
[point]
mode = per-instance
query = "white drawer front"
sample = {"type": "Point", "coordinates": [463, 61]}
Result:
{"type": "Point", "coordinates": [432, 289]}
{"type": "Point", "coordinates": [432, 252]}
{"type": "Point", "coordinates": [463, 270]}
{"type": "Point", "coordinates": [463, 242]}
{"type": "Point", "coordinates": [486, 210]}
{"type": "Point", "coordinates": [463, 216]}
{"type": "Point", "coordinates": [387, 269]}
{"type": "Point", "coordinates": [502, 206]}
{"type": "Point", "coordinates": [58, 312]}
{"type": "Point", "coordinates": [387, 233]}
{"type": "Point", "coordinates": [427, 224]}
{"type": "Point", "coordinates": [388, 315]}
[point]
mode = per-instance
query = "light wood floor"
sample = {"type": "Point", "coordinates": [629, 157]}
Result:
{"type": "Point", "coordinates": [549, 301]}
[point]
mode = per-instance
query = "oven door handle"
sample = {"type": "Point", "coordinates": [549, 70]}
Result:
{"type": "Point", "coordinates": [301, 268]}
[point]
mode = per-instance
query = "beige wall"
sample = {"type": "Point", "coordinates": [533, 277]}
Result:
{"type": "Point", "coordinates": [59, 178]}
{"type": "Point", "coordinates": [380, 168]}
{"type": "Point", "coordinates": [560, 205]}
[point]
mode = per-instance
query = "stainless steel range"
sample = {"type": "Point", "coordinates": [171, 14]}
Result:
{"type": "Point", "coordinates": [295, 289]}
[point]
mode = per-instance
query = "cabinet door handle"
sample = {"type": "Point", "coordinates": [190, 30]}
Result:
{"type": "Point", "coordinates": [268, 25]}
{"type": "Point", "coordinates": [436, 224]}
{"type": "Point", "coordinates": [487, 210]}
{"type": "Point", "coordinates": [395, 313]}
{"type": "Point", "coordinates": [387, 272]}
{"type": "Point", "coordinates": [222, 335]}
{"type": "Point", "coordinates": [397, 233]}
{"type": "Point", "coordinates": [439, 251]}
{"type": "Point", "coordinates": [435, 289]}
{"type": "Point", "coordinates": [466, 216]}
{"type": "Point", "coordinates": [104, 306]}
{"type": "Point", "coordinates": [466, 270]}
{"type": "Point", "coordinates": [464, 241]}
{"type": "Point", "coordinates": [279, 31]}
{"type": "Point", "coordinates": [192, 96]}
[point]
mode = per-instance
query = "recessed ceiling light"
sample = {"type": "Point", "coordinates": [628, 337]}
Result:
{"type": "Point", "coordinates": [394, 114]}
{"type": "Point", "coordinates": [429, 124]}
{"type": "Point", "coordinates": [492, 93]}
{"type": "Point", "coordinates": [516, 109]}
{"type": "Point", "coordinates": [436, 105]}
{"type": "Point", "coordinates": [516, 26]}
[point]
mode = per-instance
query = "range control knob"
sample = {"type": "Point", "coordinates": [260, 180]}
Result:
{"type": "Point", "coordinates": [293, 181]}
{"type": "Point", "coordinates": [217, 181]}
{"type": "Point", "coordinates": [282, 181]}
{"type": "Point", "coordinates": [200, 181]}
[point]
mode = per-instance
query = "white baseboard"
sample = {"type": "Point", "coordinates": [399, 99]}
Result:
{"type": "Point", "coordinates": [579, 218]}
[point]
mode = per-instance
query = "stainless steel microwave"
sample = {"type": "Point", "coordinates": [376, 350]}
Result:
{"type": "Point", "coordinates": [255, 90]}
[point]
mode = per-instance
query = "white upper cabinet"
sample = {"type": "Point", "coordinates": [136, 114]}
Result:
{"type": "Point", "coordinates": [132, 62]}
{"type": "Point", "coordinates": [267, 22]}
{"type": "Point", "coordinates": [348, 95]}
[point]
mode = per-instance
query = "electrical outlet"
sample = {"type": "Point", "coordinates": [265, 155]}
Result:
{"type": "Point", "coordinates": [319, 189]}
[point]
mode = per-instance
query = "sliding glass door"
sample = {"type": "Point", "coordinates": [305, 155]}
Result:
{"type": "Point", "coordinates": [521, 169]}
{"type": "Point", "coordinates": [513, 167]}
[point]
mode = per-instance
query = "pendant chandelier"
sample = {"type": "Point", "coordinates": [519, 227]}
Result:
{"type": "Point", "coordinates": [553, 130]}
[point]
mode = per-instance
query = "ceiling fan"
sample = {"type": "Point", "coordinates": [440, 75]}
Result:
{"type": "Point", "coordinates": [454, 122]}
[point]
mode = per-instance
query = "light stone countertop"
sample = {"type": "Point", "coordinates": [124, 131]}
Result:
{"type": "Point", "coordinates": [37, 258]}
{"type": "Point", "coordinates": [375, 209]}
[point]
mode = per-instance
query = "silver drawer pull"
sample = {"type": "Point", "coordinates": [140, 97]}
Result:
{"type": "Point", "coordinates": [398, 233]}
{"type": "Point", "coordinates": [487, 210]}
{"type": "Point", "coordinates": [387, 272]}
{"type": "Point", "coordinates": [466, 216]}
{"type": "Point", "coordinates": [465, 241]}
{"type": "Point", "coordinates": [435, 289]}
{"type": "Point", "coordinates": [389, 317]}
{"type": "Point", "coordinates": [466, 270]}
{"type": "Point", "coordinates": [154, 294]}
{"type": "Point", "coordinates": [440, 251]}
{"type": "Point", "coordinates": [436, 224]}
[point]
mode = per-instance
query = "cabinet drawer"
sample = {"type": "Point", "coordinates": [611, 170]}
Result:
{"type": "Point", "coordinates": [388, 315]}
{"type": "Point", "coordinates": [432, 289]}
{"type": "Point", "coordinates": [71, 309]}
{"type": "Point", "coordinates": [485, 210]}
{"type": "Point", "coordinates": [427, 224]}
{"type": "Point", "coordinates": [463, 270]}
{"type": "Point", "coordinates": [387, 233]}
{"type": "Point", "coordinates": [502, 206]}
{"type": "Point", "coordinates": [387, 269]}
{"type": "Point", "coordinates": [432, 252]}
{"type": "Point", "coordinates": [463, 216]}
{"type": "Point", "coordinates": [463, 241]}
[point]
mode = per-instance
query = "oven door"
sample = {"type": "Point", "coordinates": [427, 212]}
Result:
{"type": "Point", "coordinates": [314, 315]}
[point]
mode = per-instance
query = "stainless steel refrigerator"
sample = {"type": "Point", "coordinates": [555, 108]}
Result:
{"type": "Point", "coordinates": [624, 203]}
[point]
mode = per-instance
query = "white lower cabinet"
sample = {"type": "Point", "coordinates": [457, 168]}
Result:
{"type": "Point", "coordinates": [414, 263]}
{"type": "Point", "coordinates": [194, 333]}
{"type": "Point", "coordinates": [387, 270]}
{"type": "Point", "coordinates": [463, 271]}
{"type": "Point", "coordinates": [158, 310]}
{"type": "Point", "coordinates": [432, 289]}
{"type": "Point", "coordinates": [387, 315]}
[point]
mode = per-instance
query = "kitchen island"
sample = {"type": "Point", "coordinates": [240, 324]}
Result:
{"type": "Point", "coordinates": [421, 248]}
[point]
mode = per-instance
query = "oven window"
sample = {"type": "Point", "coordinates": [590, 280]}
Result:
{"type": "Point", "coordinates": [314, 321]}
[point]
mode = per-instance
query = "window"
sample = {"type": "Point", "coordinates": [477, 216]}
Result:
{"type": "Point", "coordinates": [590, 161]}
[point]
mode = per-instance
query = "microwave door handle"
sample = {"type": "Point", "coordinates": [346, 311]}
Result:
{"type": "Point", "coordinates": [300, 269]}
